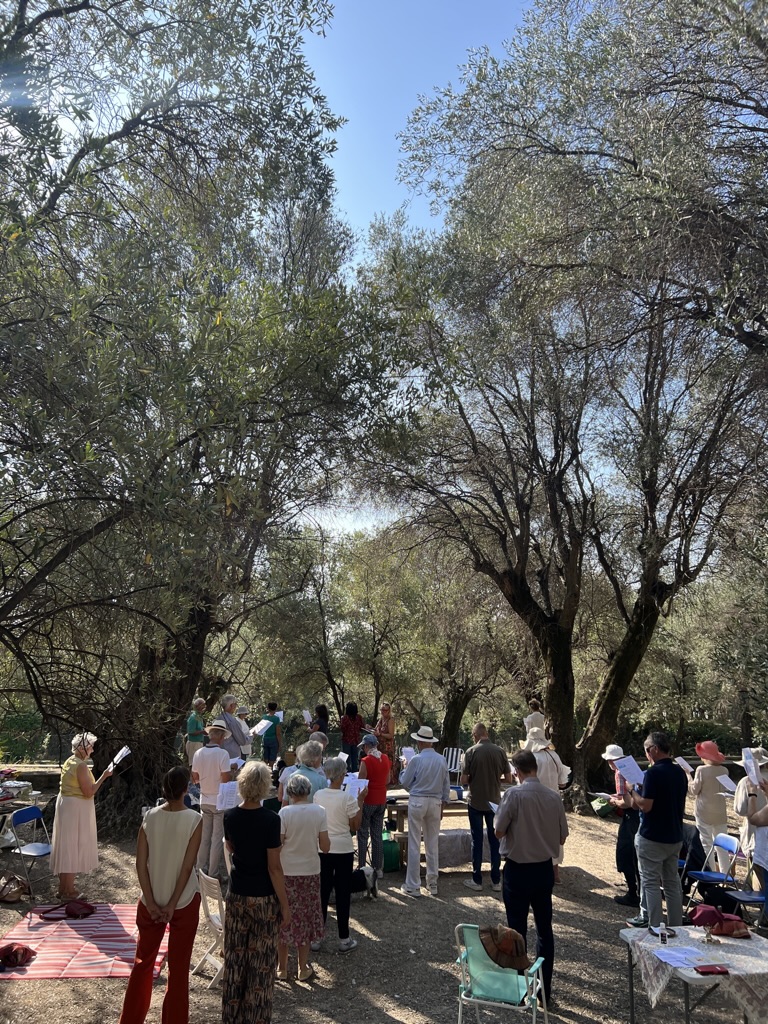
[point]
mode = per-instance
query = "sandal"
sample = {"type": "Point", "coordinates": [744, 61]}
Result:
{"type": "Point", "coordinates": [308, 974]}
{"type": "Point", "coordinates": [282, 975]}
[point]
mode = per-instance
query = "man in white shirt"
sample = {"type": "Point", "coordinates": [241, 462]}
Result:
{"type": "Point", "coordinates": [427, 781]}
{"type": "Point", "coordinates": [211, 767]}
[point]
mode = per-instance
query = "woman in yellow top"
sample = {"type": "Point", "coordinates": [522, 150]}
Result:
{"type": "Point", "coordinates": [74, 848]}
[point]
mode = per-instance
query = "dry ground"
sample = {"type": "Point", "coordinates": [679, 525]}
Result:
{"type": "Point", "coordinates": [403, 969]}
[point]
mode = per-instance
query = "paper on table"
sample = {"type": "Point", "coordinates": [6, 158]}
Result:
{"type": "Point", "coordinates": [407, 753]}
{"type": "Point", "coordinates": [684, 765]}
{"type": "Point", "coordinates": [749, 766]}
{"type": "Point", "coordinates": [307, 717]}
{"type": "Point", "coordinates": [726, 782]}
{"type": "Point", "coordinates": [630, 770]}
{"type": "Point", "coordinates": [121, 755]}
{"type": "Point", "coordinates": [227, 797]}
{"type": "Point", "coordinates": [681, 956]}
{"type": "Point", "coordinates": [261, 727]}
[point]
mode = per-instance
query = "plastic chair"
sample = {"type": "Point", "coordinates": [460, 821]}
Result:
{"type": "Point", "coordinates": [484, 983]}
{"type": "Point", "coordinates": [35, 851]}
{"type": "Point", "coordinates": [731, 846]}
{"type": "Point", "coordinates": [453, 756]}
{"type": "Point", "coordinates": [210, 890]}
{"type": "Point", "coordinates": [749, 900]}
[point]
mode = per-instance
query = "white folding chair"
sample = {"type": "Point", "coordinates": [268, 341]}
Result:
{"type": "Point", "coordinates": [32, 818]}
{"type": "Point", "coordinates": [453, 756]}
{"type": "Point", "coordinates": [210, 892]}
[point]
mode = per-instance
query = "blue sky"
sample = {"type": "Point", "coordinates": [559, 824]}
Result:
{"type": "Point", "coordinates": [375, 60]}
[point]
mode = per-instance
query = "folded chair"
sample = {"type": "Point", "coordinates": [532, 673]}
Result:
{"type": "Point", "coordinates": [484, 983]}
{"type": "Point", "coordinates": [722, 841]}
{"type": "Point", "coordinates": [32, 818]}
{"type": "Point", "coordinates": [210, 891]}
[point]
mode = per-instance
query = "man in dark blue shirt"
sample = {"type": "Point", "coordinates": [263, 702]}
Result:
{"type": "Point", "coordinates": [660, 836]}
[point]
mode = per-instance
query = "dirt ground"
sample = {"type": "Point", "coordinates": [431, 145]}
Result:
{"type": "Point", "coordinates": [404, 967]}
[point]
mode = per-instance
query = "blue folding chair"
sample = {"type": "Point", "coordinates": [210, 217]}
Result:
{"type": "Point", "coordinates": [749, 900]}
{"type": "Point", "coordinates": [484, 983]}
{"type": "Point", "coordinates": [722, 841]}
{"type": "Point", "coordinates": [29, 816]}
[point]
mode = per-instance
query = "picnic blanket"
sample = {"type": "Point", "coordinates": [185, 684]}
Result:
{"type": "Point", "coordinates": [100, 946]}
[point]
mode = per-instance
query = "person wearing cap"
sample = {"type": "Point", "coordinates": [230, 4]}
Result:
{"type": "Point", "coordinates": [245, 748]}
{"type": "Point", "coordinates": [551, 772]}
{"type": "Point", "coordinates": [195, 728]}
{"type": "Point", "coordinates": [626, 856]}
{"type": "Point", "coordinates": [485, 765]}
{"type": "Point", "coordinates": [531, 825]}
{"type": "Point", "coordinates": [375, 767]}
{"type": "Point", "coordinates": [748, 800]}
{"type": "Point", "coordinates": [428, 783]}
{"type": "Point", "coordinates": [211, 767]}
{"type": "Point", "coordinates": [660, 836]}
{"type": "Point", "coordinates": [709, 810]}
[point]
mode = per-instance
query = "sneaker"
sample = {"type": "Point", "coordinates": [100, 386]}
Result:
{"type": "Point", "coordinates": [627, 900]}
{"type": "Point", "coordinates": [316, 946]}
{"type": "Point", "coordinates": [496, 886]}
{"type": "Point", "coordinates": [409, 892]}
{"type": "Point", "coordinates": [345, 945]}
{"type": "Point", "coordinates": [470, 883]}
{"type": "Point", "coordinates": [433, 889]}
{"type": "Point", "coordinates": [380, 873]}
{"type": "Point", "coordinates": [641, 921]}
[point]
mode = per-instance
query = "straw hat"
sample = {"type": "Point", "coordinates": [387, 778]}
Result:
{"type": "Point", "coordinates": [710, 751]}
{"type": "Point", "coordinates": [504, 946]}
{"type": "Point", "coordinates": [536, 740]}
{"type": "Point", "coordinates": [219, 723]}
{"type": "Point", "coordinates": [760, 754]}
{"type": "Point", "coordinates": [425, 735]}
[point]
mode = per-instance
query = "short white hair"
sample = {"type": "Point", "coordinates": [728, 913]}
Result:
{"type": "Point", "coordinates": [335, 768]}
{"type": "Point", "coordinates": [310, 754]}
{"type": "Point", "coordinates": [84, 740]}
{"type": "Point", "coordinates": [227, 699]}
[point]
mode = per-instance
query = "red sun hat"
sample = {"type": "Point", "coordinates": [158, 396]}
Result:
{"type": "Point", "coordinates": [710, 751]}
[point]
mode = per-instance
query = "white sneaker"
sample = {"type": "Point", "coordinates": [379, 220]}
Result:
{"type": "Point", "coordinates": [433, 889]}
{"type": "Point", "coordinates": [496, 886]}
{"type": "Point", "coordinates": [345, 945]}
{"type": "Point", "coordinates": [380, 873]}
{"type": "Point", "coordinates": [410, 892]}
{"type": "Point", "coordinates": [472, 884]}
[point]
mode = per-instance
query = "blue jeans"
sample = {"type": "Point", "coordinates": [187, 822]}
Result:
{"type": "Point", "coordinates": [478, 820]}
{"type": "Point", "coordinates": [351, 749]}
{"type": "Point", "coordinates": [529, 886]}
{"type": "Point", "coordinates": [269, 750]}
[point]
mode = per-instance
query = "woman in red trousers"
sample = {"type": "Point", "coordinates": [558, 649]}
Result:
{"type": "Point", "coordinates": [169, 839]}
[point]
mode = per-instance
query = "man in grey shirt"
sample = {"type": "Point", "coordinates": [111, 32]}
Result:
{"type": "Point", "coordinates": [484, 766]}
{"type": "Point", "coordinates": [531, 826]}
{"type": "Point", "coordinates": [428, 784]}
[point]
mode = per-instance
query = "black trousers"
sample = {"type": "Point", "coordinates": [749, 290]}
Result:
{"type": "Point", "coordinates": [529, 887]}
{"type": "Point", "coordinates": [336, 873]}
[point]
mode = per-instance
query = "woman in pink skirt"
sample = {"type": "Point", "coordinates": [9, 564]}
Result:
{"type": "Point", "coordinates": [304, 832]}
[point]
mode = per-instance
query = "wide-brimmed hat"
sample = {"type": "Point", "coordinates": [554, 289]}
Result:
{"type": "Point", "coordinates": [504, 946]}
{"type": "Point", "coordinates": [760, 755]}
{"type": "Point", "coordinates": [536, 740]}
{"type": "Point", "coordinates": [612, 752]}
{"type": "Point", "coordinates": [370, 740]}
{"type": "Point", "coordinates": [425, 735]}
{"type": "Point", "coordinates": [219, 723]}
{"type": "Point", "coordinates": [242, 711]}
{"type": "Point", "coordinates": [710, 751]}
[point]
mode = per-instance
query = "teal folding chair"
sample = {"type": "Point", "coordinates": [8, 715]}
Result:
{"type": "Point", "coordinates": [484, 983]}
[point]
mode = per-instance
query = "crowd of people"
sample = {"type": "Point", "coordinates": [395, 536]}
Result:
{"type": "Point", "coordinates": [286, 862]}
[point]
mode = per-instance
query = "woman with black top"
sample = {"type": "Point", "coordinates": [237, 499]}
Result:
{"type": "Point", "coordinates": [256, 905]}
{"type": "Point", "coordinates": [320, 721]}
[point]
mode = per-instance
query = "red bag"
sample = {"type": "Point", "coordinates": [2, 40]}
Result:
{"type": "Point", "coordinates": [16, 954]}
{"type": "Point", "coordinates": [721, 924]}
{"type": "Point", "coordinates": [77, 909]}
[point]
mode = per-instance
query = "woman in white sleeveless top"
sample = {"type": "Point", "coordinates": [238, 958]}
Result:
{"type": "Point", "coordinates": [169, 839]}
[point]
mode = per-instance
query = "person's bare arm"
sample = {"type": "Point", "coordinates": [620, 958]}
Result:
{"type": "Point", "coordinates": [88, 788]}
{"type": "Point", "coordinates": [226, 776]}
{"type": "Point", "coordinates": [324, 842]}
{"type": "Point", "coordinates": [640, 803]}
{"type": "Point", "coordinates": [275, 869]}
{"type": "Point", "coordinates": [187, 867]}
{"type": "Point", "coordinates": [142, 870]}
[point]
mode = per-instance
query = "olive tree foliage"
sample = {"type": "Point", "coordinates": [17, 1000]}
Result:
{"type": "Point", "coordinates": [184, 368]}
{"type": "Point", "coordinates": [623, 142]}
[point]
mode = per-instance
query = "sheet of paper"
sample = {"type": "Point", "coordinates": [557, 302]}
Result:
{"type": "Point", "coordinates": [727, 783]}
{"type": "Point", "coordinates": [494, 807]}
{"type": "Point", "coordinates": [239, 761]}
{"type": "Point", "coordinates": [680, 956]}
{"type": "Point", "coordinates": [630, 770]}
{"type": "Point", "coordinates": [261, 727]}
{"type": "Point", "coordinates": [603, 796]}
{"type": "Point", "coordinates": [343, 756]}
{"type": "Point", "coordinates": [121, 755]}
{"type": "Point", "coordinates": [280, 714]}
{"type": "Point", "coordinates": [307, 717]}
{"type": "Point", "coordinates": [750, 767]}
{"type": "Point", "coordinates": [354, 785]}
{"type": "Point", "coordinates": [228, 796]}
{"type": "Point", "coordinates": [684, 765]}
{"type": "Point", "coordinates": [407, 753]}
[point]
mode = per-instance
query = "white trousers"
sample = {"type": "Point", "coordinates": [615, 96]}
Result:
{"type": "Point", "coordinates": [707, 835]}
{"type": "Point", "coordinates": [424, 814]}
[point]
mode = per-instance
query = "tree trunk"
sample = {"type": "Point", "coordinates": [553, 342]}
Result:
{"type": "Point", "coordinates": [455, 706]}
{"type": "Point", "coordinates": [601, 727]}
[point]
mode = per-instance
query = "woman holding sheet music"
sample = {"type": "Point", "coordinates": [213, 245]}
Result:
{"type": "Point", "coordinates": [709, 808]}
{"type": "Point", "coordinates": [74, 849]}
